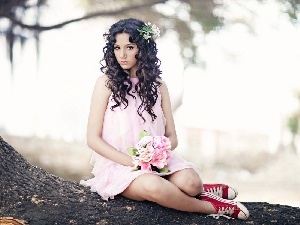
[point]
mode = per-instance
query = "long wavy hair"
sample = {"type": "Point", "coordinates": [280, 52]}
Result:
{"type": "Point", "coordinates": [148, 71]}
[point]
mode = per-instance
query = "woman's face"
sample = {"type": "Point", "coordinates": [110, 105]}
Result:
{"type": "Point", "coordinates": [125, 53]}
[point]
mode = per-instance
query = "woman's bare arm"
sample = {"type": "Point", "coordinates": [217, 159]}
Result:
{"type": "Point", "coordinates": [166, 107]}
{"type": "Point", "coordinates": [98, 107]}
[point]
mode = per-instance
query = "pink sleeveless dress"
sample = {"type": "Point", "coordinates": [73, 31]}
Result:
{"type": "Point", "coordinates": [121, 129]}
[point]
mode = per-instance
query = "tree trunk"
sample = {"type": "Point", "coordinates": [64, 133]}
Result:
{"type": "Point", "coordinates": [33, 195]}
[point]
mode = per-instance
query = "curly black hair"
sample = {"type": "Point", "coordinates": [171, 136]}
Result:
{"type": "Point", "coordinates": [148, 71]}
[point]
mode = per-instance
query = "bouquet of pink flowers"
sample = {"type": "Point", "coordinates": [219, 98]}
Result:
{"type": "Point", "coordinates": [151, 153]}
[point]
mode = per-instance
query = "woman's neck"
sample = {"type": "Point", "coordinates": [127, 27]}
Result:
{"type": "Point", "coordinates": [132, 72]}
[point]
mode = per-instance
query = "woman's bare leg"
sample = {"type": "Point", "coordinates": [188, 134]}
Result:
{"type": "Point", "coordinates": [188, 181]}
{"type": "Point", "coordinates": [157, 189]}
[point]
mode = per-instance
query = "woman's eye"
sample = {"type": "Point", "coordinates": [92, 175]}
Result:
{"type": "Point", "coordinates": [116, 47]}
{"type": "Point", "coordinates": [130, 47]}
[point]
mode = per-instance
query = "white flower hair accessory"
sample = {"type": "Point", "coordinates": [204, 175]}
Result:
{"type": "Point", "coordinates": [149, 31]}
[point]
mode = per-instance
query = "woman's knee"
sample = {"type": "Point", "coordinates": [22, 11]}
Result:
{"type": "Point", "coordinates": [193, 186]}
{"type": "Point", "coordinates": [188, 181]}
{"type": "Point", "coordinates": [146, 186]}
{"type": "Point", "coordinates": [153, 185]}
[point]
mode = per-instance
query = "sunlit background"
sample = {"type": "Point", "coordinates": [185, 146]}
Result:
{"type": "Point", "coordinates": [237, 109]}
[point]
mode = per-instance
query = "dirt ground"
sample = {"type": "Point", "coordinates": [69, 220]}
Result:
{"type": "Point", "coordinates": [258, 178]}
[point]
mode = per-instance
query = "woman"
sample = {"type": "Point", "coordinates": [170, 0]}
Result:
{"type": "Point", "coordinates": [131, 97]}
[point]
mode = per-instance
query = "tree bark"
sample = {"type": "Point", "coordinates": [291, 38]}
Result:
{"type": "Point", "coordinates": [31, 194]}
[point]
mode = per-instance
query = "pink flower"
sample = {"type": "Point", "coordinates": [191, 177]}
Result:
{"type": "Point", "coordinates": [160, 158]}
{"type": "Point", "coordinates": [145, 166]}
{"type": "Point", "coordinates": [146, 154]}
{"type": "Point", "coordinates": [151, 153]}
{"type": "Point", "coordinates": [161, 142]}
{"type": "Point", "coordinates": [145, 149]}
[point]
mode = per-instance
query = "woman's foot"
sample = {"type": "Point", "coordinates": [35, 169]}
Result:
{"type": "Point", "coordinates": [224, 207]}
{"type": "Point", "coordinates": [221, 190]}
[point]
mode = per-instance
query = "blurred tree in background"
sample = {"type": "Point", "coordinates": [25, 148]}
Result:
{"type": "Point", "coordinates": [20, 19]}
{"type": "Point", "coordinates": [185, 17]}
{"type": "Point", "coordinates": [13, 24]}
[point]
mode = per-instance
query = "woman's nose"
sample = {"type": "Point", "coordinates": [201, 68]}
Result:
{"type": "Point", "coordinates": [122, 54]}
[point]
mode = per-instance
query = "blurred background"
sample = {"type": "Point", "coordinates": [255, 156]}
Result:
{"type": "Point", "coordinates": [232, 68]}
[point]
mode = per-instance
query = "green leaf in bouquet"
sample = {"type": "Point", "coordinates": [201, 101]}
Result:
{"type": "Point", "coordinates": [132, 151]}
{"type": "Point", "coordinates": [143, 134]}
{"type": "Point", "coordinates": [164, 170]}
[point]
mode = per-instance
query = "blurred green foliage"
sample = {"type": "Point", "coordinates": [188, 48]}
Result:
{"type": "Point", "coordinates": [293, 124]}
{"type": "Point", "coordinates": [294, 120]}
